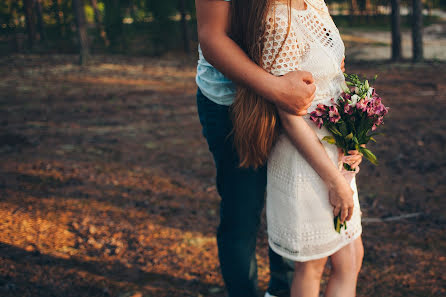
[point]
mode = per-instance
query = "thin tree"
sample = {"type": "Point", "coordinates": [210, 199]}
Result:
{"type": "Point", "coordinates": [56, 11]}
{"type": "Point", "coordinates": [113, 23]}
{"type": "Point", "coordinates": [79, 16]}
{"type": "Point", "coordinates": [98, 21]}
{"type": "Point", "coordinates": [417, 30]}
{"type": "Point", "coordinates": [39, 14]}
{"type": "Point", "coordinates": [396, 31]}
{"type": "Point", "coordinates": [30, 25]}
{"type": "Point", "coordinates": [353, 9]}
{"type": "Point", "coordinates": [185, 29]}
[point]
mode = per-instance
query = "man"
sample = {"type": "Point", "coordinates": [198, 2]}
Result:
{"type": "Point", "coordinates": [241, 190]}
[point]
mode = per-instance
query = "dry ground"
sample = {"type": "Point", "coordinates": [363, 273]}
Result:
{"type": "Point", "coordinates": [107, 186]}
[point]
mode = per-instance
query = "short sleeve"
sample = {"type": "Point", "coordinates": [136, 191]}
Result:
{"type": "Point", "coordinates": [282, 49]}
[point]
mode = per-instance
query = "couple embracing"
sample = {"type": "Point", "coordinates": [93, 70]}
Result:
{"type": "Point", "coordinates": [263, 66]}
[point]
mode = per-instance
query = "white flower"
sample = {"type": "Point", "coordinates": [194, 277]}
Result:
{"type": "Point", "coordinates": [356, 90]}
{"type": "Point", "coordinates": [355, 98]}
{"type": "Point", "coordinates": [369, 92]}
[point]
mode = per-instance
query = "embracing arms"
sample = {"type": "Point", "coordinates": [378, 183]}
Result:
{"type": "Point", "coordinates": [292, 92]}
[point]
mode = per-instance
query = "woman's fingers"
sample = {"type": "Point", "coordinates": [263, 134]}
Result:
{"type": "Point", "coordinates": [350, 214]}
{"type": "Point", "coordinates": [344, 214]}
{"type": "Point", "coordinates": [354, 152]}
{"type": "Point", "coordinates": [336, 210]}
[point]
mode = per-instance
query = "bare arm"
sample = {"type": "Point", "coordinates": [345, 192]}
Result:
{"type": "Point", "coordinates": [308, 144]}
{"type": "Point", "coordinates": [292, 92]}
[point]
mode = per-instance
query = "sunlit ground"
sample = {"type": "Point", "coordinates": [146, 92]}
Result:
{"type": "Point", "coordinates": [107, 186]}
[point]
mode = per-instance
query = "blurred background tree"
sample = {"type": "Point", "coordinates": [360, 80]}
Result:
{"type": "Point", "coordinates": [150, 27]}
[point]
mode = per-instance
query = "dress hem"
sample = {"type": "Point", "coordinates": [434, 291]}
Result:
{"type": "Point", "coordinates": [314, 257]}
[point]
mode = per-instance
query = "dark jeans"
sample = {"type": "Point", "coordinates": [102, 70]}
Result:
{"type": "Point", "coordinates": [242, 193]}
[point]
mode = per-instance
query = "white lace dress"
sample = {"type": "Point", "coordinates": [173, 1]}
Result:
{"type": "Point", "coordinates": [299, 214]}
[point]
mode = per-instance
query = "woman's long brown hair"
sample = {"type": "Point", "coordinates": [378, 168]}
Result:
{"type": "Point", "coordinates": [255, 120]}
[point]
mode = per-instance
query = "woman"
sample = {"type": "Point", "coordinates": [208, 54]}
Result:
{"type": "Point", "coordinates": [302, 198]}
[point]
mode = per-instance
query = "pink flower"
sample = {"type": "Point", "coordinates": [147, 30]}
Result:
{"type": "Point", "coordinates": [333, 114]}
{"type": "Point", "coordinates": [348, 109]}
{"type": "Point", "coordinates": [320, 110]}
{"type": "Point", "coordinates": [380, 109]}
{"type": "Point", "coordinates": [362, 105]}
{"type": "Point", "coordinates": [316, 119]}
{"type": "Point", "coordinates": [346, 96]}
{"type": "Point", "coordinates": [313, 117]}
{"type": "Point", "coordinates": [378, 121]}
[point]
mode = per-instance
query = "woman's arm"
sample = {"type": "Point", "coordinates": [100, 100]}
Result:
{"type": "Point", "coordinates": [292, 92]}
{"type": "Point", "coordinates": [308, 144]}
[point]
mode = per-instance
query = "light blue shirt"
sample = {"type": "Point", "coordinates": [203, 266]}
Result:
{"type": "Point", "coordinates": [212, 83]}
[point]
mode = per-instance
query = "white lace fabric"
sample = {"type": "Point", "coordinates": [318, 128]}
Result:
{"type": "Point", "coordinates": [312, 44]}
{"type": "Point", "coordinates": [299, 215]}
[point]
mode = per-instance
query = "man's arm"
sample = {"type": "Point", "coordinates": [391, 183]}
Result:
{"type": "Point", "coordinates": [292, 92]}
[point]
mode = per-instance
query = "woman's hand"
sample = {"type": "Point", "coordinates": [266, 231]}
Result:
{"type": "Point", "coordinates": [341, 197]}
{"type": "Point", "coordinates": [354, 158]}
{"type": "Point", "coordinates": [343, 65]}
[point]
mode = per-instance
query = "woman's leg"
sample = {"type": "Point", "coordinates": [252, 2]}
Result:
{"type": "Point", "coordinates": [307, 278]}
{"type": "Point", "coordinates": [346, 264]}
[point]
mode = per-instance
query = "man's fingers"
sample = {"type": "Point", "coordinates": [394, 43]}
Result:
{"type": "Point", "coordinates": [307, 77]}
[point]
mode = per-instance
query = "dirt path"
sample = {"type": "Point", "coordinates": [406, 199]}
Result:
{"type": "Point", "coordinates": [107, 187]}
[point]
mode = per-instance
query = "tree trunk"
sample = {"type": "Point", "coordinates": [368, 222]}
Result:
{"type": "Point", "coordinates": [30, 26]}
{"type": "Point", "coordinates": [56, 10]}
{"type": "Point", "coordinates": [99, 24]}
{"type": "Point", "coordinates": [353, 10]}
{"type": "Point", "coordinates": [79, 16]}
{"type": "Point", "coordinates": [40, 25]}
{"type": "Point", "coordinates": [396, 31]}
{"type": "Point", "coordinates": [185, 29]}
{"type": "Point", "coordinates": [113, 23]}
{"type": "Point", "coordinates": [417, 30]}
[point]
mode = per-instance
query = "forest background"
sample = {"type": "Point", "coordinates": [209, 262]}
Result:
{"type": "Point", "coordinates": [107, 187]}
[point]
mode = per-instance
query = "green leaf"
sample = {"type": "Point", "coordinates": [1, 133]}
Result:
{"type": "Point", "coordinates": [368, 155]}
{"type": "Point", "coordinates": [334, 130]}
{"type": "Point", "coordinates": [349, 136]}
{"type": "Point", "coordinates": [355, 140]}
{"type": "Point", "coordinates": [337, 224]}
{"type": "Point", "coordinates": [329, 139]}
{"type": "Point", "coordinates": [372, 139]}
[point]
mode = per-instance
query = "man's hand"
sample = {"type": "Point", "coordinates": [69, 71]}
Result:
{"type": "Point", "coordinates": [343, 65]}
{"type": "Point", "coordinates": [294, 92]}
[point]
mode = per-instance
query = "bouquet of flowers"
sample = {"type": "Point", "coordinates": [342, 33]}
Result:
{"type": "Point", "coordinates": [352, 120]}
